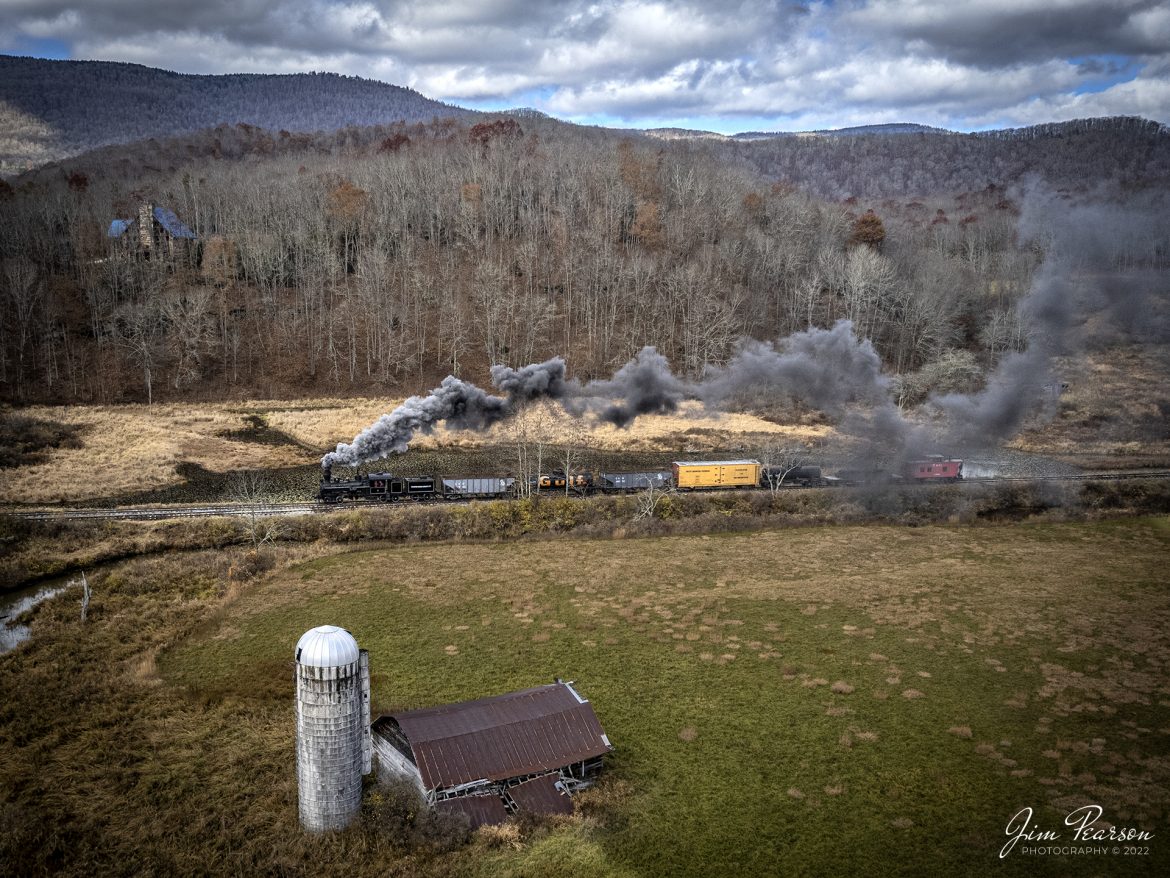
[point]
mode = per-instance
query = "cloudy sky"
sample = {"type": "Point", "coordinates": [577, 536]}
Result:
{"type": "Point", "coordinates": [723, 66]}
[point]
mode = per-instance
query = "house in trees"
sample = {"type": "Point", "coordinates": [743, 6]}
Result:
{"type": "Point", "coordinates": [156, 233]}
{"type": "Point", "coordinates": [494, 757]}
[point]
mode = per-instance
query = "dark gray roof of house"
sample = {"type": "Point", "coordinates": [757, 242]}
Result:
{"type": "Point", "coordinates": [118, 227]}
{"type": "Point", "coordinates": [504, 736]}
{"type": "Point", "coordinates": [169, 221]}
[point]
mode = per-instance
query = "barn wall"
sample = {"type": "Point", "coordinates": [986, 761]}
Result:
{"type": "Point", "coordinates": [391, 763]}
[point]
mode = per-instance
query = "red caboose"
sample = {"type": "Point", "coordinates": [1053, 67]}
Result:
{"type": "Point", "coordinates": [934, 468]}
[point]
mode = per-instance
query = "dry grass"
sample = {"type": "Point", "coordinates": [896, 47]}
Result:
{"type": "Point", "coordinates": [324, 423]}
{"type": "Point", "coordinates": [131, 448]}
{"type": "Point", "coordinates": [1114, 410]}
{"type": "Point", "coordinates": [144, 667]}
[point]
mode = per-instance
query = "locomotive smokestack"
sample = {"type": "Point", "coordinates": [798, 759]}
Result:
{"type": "Point", "coordinates": [326, 473]}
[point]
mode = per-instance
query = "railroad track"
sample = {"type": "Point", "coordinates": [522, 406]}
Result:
{"type": "Point", "coordinates": [311, 507]}
{"type": "Point", "coordinates": [1078, 477]}
{"type": "Point", "coordinates": [155, 513]}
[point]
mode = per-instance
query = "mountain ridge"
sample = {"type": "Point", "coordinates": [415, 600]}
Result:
{"type": "Point", "coordinates": [54, 110]}
{"type": "Point", "coordinates": [50, 110]}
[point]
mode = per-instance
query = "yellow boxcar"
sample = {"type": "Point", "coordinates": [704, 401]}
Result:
{"type": "Point", "coordinates": [716, 473]}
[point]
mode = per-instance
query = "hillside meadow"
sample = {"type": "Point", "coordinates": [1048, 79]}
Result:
{"type": "Point", "coordinates": [129, 449]}
{"type": "Point", "coordinates": [1111, 415]}
{"type": "Point", "coordinates": [781, 701]}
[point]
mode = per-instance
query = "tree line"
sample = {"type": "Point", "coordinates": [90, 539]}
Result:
{"type": "Point", "coordinates": [378, 260]}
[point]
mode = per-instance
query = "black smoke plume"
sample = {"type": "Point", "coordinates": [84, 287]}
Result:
{"type": "Point", "coordinates": [460, 404]}
{"type": "Point", "coordinates": [1102, 280]}
{"type": "Point", "coordinates": [827, 369]}
{"type": "Point", "coordinates": [643, 386]}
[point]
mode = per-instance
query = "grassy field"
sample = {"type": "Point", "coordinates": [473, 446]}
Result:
{"type": "Point", "coordinates": [796, 701]}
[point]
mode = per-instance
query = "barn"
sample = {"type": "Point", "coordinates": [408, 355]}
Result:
{"type": "Point", "coordinates": [490, 758]}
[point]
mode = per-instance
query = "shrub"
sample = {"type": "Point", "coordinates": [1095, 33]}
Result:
{"type": "Point", "coordinates": [394, 812]}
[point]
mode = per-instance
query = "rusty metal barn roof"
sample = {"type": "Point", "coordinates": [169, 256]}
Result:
{"type": "Point", "coordinates": [503, 736]}
{"type": "Point", "coordinates": [542, 796]}
{"type": "Point", "coordinates": [480, 810]}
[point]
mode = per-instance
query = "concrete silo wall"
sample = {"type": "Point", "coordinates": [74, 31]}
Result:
{"type": "Point", "coordinates": [331, 727]}
{"type": "Point", "coordinates": [367, 750]}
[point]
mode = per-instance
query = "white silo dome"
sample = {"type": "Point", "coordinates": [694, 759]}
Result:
{"type": "Point", "coordinates": [327, 646]}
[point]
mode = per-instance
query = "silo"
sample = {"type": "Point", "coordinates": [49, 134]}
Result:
{"type": "Point", "coordinates": [332, 725]}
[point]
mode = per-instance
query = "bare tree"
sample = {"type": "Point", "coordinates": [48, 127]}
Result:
{"type": "Point", "coordinates": [530, 433]}
{"type": "Point", "coordinates": [572, 438]}
{"type": "Point", "coordinates": [778, 460]}
{"type": "Point", "coordinates": [23, 291]}
{"type": "Point", "coordinates": [251, 489]}
{"type": "Point", "coordinates": [138, 329]}
{"type": "Point", "coordinates": [188, 317]}
{"type": "Point", "coordinates": [650, 499]}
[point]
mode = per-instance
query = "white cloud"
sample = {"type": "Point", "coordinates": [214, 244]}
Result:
{"type": "Point", "coordinates": [654, 61]}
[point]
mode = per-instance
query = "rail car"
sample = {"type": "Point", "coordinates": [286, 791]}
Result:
{"type": "Point", "coordinates": [684, 475]}
{"type": "Point", "coordinates": [624, 483]}
{"type": "Point", "coordinates": [558, 480]}
{"type": "Point", "coordinates": [934, 468]}
{"type": "Point", "coordinates": [700, 475]}
{"type": "Point", "coordinates": [793, 476]}
{"type": "Point", "coordinates": [390, 488]}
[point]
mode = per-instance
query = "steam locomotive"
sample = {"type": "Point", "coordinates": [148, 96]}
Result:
{"type": "Point", "coordinates": [683, 475]}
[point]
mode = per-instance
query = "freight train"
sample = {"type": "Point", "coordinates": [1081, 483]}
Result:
{"type": "Point", "coordinates": [684, 475]}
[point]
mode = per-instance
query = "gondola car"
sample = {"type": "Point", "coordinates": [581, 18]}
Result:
{"type": "Point", "coordinates": [621, 483]}
{"type": "Point", "coordinates": [468, 487]}
{"type": "Point", "coordinates": [854, 478]}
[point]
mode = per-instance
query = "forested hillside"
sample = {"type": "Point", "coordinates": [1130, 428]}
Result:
{"type": "Point", "coordinates": [378, 260]}
{"type": "Point", "coordinates": [53, 109]}
{"type": "Point", "coordinates": [1079, 155]}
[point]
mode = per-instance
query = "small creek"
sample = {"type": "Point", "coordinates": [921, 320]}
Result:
{"type": "Point", "coordinates": [14, 603]}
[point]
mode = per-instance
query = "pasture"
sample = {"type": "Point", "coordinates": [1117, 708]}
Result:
{"type": "Point", "coordinates": [789, 701]}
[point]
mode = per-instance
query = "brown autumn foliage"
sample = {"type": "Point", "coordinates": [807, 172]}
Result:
{"type": "Point", "coordinates": [868, 230]}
